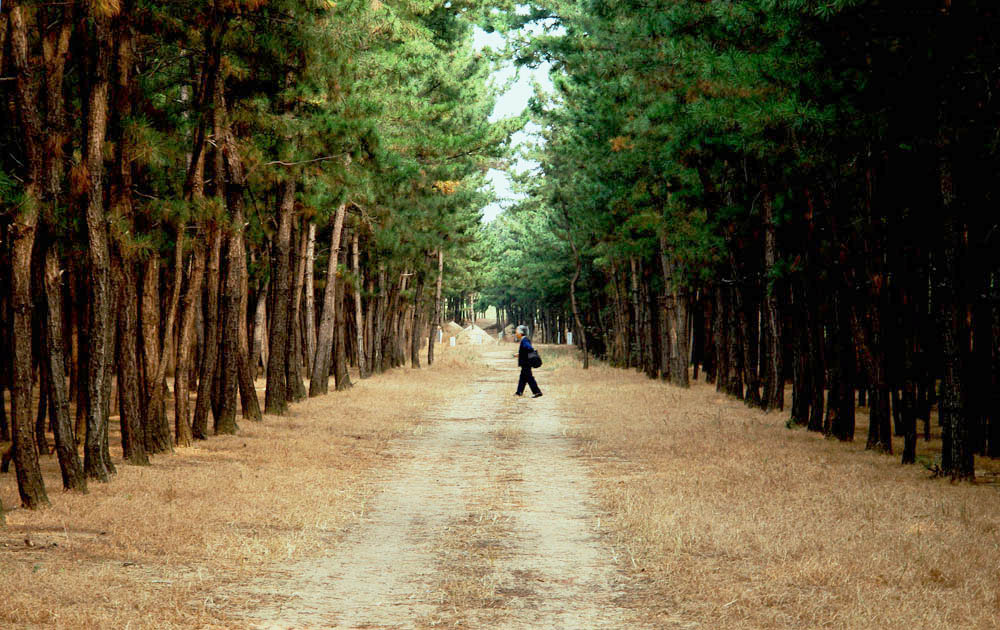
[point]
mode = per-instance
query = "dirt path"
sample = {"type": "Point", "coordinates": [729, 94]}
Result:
{"type": "Point", "coordinates": [486, 520]}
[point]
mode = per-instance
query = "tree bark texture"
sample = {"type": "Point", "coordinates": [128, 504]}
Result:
{"type": "Point", "coordinates": [310, 298]}
{"type": "Point", "coordinates": [275, 395]}
{"type": "Point", "coordinates": [436, 317]}
{"type": "Point", "coordinates": [581, 334]}
{"type": "Point", "coordinates": [183, 434]}
{"type": "Point", "coordinates": [774, 378]}
{"type": "Point", "coordinates": [30, 485]}
{"type": "Point", "coordinates": [319, 382]}
{"type": "Point", "coordinates": [293, 378]}
{"type": "Point", "coordinates": [69, 461]}
{"type": "Point", "coordinates": [416, 326]}
{"type": "Point", "coordinates": [358, 319]}
{"type": "Point", "coordinates": [957, 457]}
{"type": "Point", "coordinates": [129, 402]}
{"type": "Point", "coordinates": [208, 369]}
{"type": "Point", "coordinates": [342, 378]}
{"type": "Point", "coordinates": [95, 462]}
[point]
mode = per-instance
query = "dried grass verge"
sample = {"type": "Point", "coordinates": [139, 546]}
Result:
{"type": "Point", "coordinates": [729, 520]}
{"type": "Point", "coordinates": [169, 545]}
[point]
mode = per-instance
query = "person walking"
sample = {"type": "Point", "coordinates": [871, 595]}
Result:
{"type": "Point", "coordinates": [522, 361]}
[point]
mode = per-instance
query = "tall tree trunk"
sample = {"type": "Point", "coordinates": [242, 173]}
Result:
{"type": "Point", "coordinates": [229, 333]}
{"type": "Point", "coordinates": [957, 459]}
{"type": "Point", "coordinates": [157, 429]}
{"type": "Point", "coordinates": [436, 318]}
{"type": "Point", "coordinates": [391, 347]}
{"type": "Point", "coordinates": [235, 369]}
{"type": "Point", "coordinates": [149, 343]}
{"type": "Point", "coordinates": [378, 328]}
{"type": "Point", "coordinates": [182, 424]}
{"type": "Point", "coordinates": [96, 463]}
{"type": "Point", "coordinates": [743, 307]}
{"type": "Point", "coordinates": [581, 334]}
{"type": "Point", "coordinates": [30, 485]}
{"type": "Point", "coordinates": [133, 438]}
{"type": "Point", "coordinates": [842, 424]}
{"type": "Point", "coordinates": [310, 298]}
{"type": "Point", "coordinates": [678, 319]}
{"type": "Point", "coordinates": [293, 379]}
{"type": "Point", "coordinates": [650, 336]}
{"type": "Point", "coordinates": [636, 334]}
{"type": "Point", "coordinates": [156, 408]}
{"type": "Point", "coordinates": [416, 326]}
{"type": "Point", "coordinates": [258, 352]}
{"type": "Point", "coordinates": [320, 380]}
{"type": "Point", "coordinates": [83, 353]}
{"type": "Point", "coordinates": [342, 378]}
{"type": "Point", "coordinates": [275, 394]}
{"type": "Point", "coordinates": [69, 461]}
{"type": "Point", "coordinates": [249, 402]}
{"type": "Point", "coordinates": [774, 375]}
{"type": "Point", "coordinates": [208, 369]}
{"type": "Point", "coordinates": [370, 325]}
{"type": "Point", "coordinates": [358, 319]}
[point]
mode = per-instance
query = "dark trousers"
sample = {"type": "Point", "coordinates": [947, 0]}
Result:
{"type": "Point", "coordinates": [527, 377]}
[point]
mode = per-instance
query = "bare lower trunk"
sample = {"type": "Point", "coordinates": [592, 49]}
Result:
{"type": "Point", "coordinates": [319, 382]}
{"type": "Point", "coordinates": [229, 340]}
{"type": "Point", "coordinates": [577, 324]}
{"type": "Point", "coordinates": [275, 395]}
{"type": "Point", "coordinates": [370, 327]}
{"type": "Point", "coordinates": [182, 423]}
{"type": "Point", "coordinates": [156, 408]}
{"type": "Point", "coordinates": [293, 376]}
{"type": "Point", "coordinates": [258, 352]}
{"type": "Point", "coordinates": [774, 377]}
{"type": "Point", "coordinates": [237, 366]}
{"type": "Point", "coordinates": [96, 462]}
{"type": "Point", "coordinates": [678, 319]}
{"type": "Point", "coordinates": [436, 319]}
{"type": "Point", "coordinates": [378, 323]}
{"type": "Point", "coordinates": [149, 344]}
{"type": "Point", "coordinates": [310, 299]}
{"type": "Point", "coordinates": [210, 350]}
{"type": "Point", "coordinates": [957, 455]}
{"type": "Point", "coordinates": [69, 461]}
{"type": "Point", "coordinates": [157, 428]}
{"type": "Point", "coordinates": [248, 388]}
{"type": "Point", "coordinates": [416, 326]}
{"type": "Point", "coordinates": [29, 477]}
{"type": "Point", "coordinates": [133, 438]}
{"type": "Point", "coordinates": [358, 319]}
{"type": "Point", "coordinates": [342, 378]}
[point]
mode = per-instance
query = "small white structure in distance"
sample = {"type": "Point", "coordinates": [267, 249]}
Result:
{"type": "Point", "coordinates": [569, 338]}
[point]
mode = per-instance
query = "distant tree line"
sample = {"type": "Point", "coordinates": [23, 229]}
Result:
{"type": "Point", "coordinates": [766, 193]}
{"type": "Point", "coordinates": [215, 190]}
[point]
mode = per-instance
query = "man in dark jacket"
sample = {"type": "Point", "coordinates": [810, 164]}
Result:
{"type": "Point", "coordinates": [522, 362]}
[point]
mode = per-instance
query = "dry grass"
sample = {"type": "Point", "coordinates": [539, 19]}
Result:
{"type": "Point", "coordinates": [167, 546]}
{"type": "Point", "coordinates": [729, 520]}
{"type": "Point", "coordinates": [474, 588]}
{"type": "Point", "coordinates": [470, 592]}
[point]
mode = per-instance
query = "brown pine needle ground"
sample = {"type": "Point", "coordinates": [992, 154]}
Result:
{"type": "Point", "coordinates": [732, 521]}
{"type": "Point", "coordinates": [170, 545]}
{"type": "Point", "coordinates": [723, 518]}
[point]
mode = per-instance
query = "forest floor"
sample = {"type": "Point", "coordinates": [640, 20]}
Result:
{"type": "Point", "coordinates": [436, 499]}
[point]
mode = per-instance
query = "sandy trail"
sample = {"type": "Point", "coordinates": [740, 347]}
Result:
{"type": "Point", "coordinates": [548, 568]}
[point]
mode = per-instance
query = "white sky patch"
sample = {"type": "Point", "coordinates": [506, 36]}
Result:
{"type": "Point", "coordinates": [511, 103]}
